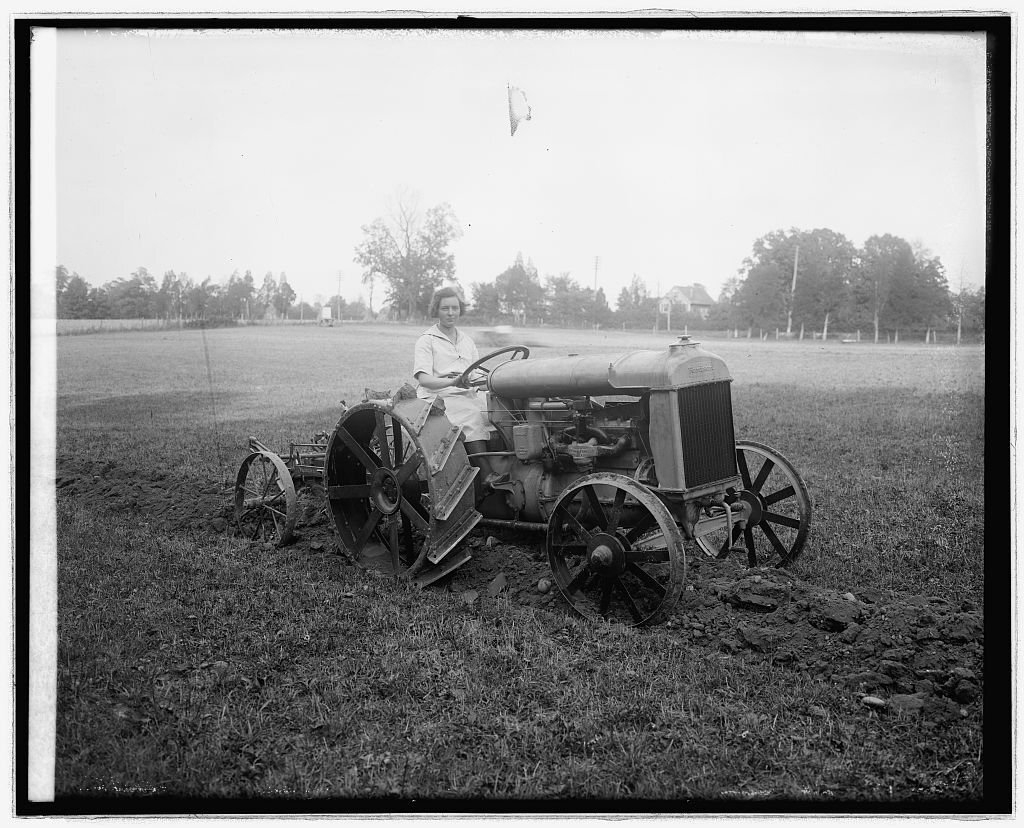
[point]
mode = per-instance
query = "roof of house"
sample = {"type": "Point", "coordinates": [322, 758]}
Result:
{"type": "Point", "coordinates": [693, 294]}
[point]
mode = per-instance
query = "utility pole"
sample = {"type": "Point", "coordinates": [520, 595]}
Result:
{"type": "Point", "coordinates": [792, 293]}
{"type": "Point", "coordinates": [597, 260]}
{"type": "Point", "coordinates": [337, 299]}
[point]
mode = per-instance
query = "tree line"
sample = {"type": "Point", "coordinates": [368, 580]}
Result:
{"type": "Point", "coordinates": [793, 281]}
{"type": "Point", "coordinates": [817, 279]}
{"type": "Point", "coordinates": [178, 297]}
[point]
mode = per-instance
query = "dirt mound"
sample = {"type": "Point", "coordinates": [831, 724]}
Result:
{"type": "Point", "coordinates": [162, 498]}
{"type": "Point", "coordinates": [906, 653]}
{"type": "Point", "coordinates": [914, 655]}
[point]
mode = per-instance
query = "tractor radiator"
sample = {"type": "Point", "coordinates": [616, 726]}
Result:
{"type": "Point", "coordinates": [706, 428]}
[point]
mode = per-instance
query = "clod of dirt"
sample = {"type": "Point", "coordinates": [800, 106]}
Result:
{"type": "Point", "coordinates": [469, 596]}
{"type": "Point", "coordinates": [497, 585]}
{"type": "Point", "coordinates": [834, 615]}
{"type": "Point", "coordinates": [761, 639]}
{"type": "Point", "coordinates": [873, 701]}
{"type": "Point", "coordinates": [543, 586]}
{"type": "Point", "coordinates": [756, 594]}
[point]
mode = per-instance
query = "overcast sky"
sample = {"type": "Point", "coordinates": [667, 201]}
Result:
{"type": "Point", "coordinates": [664, 154]}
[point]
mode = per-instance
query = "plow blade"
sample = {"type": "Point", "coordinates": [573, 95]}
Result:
{"type": "Point", "coordinates": [429, 574]}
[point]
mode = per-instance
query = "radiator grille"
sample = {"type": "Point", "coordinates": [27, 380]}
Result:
{"type": "Point", "coordinates": [708, 439]}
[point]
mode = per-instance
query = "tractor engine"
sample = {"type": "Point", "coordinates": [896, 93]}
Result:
{"type": "Point", "coordinates": [661, 417]}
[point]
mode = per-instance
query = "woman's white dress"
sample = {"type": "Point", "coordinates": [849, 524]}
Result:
{"type": "Point", "coordinates": [436, 355]}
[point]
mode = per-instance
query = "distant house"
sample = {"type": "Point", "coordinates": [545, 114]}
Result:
{"type": "Point", "coordinates": [691, 298]}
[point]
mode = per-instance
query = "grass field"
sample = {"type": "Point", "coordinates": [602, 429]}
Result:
{"type": "Point", "coordinates": [191, 663]}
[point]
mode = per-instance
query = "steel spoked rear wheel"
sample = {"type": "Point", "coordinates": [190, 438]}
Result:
{"type": "Point", "coordinates": [265, 502]}
{"type": "Point", "coordinates": [780, 508]}
{"type": "Point", "coordinates": [615, 551]}
{"type": "Point", "coordinates": [378, 490]}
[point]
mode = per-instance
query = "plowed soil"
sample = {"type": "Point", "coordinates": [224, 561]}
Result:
{"type": "Point", "coordinates": [903, 654]}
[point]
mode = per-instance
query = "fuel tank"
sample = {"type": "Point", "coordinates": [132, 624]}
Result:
{"type": "Point", "coordinates": [681, 364]}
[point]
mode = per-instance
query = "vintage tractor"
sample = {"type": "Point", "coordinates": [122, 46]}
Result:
{"type": "Point", "coordinates": [619, 460]}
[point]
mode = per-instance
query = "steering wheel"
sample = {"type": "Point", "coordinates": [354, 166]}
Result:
{"type": "Point", "coordinates": [465, 382]}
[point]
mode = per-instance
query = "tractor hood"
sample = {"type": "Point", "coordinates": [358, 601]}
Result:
{"type": "Point", "coordinates": [681, 364]}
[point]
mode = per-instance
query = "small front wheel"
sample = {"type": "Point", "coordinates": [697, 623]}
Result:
{"type": "Point", "coordinates": [779, 506]}
{"type": "Point", "coordinates": [615, 551]}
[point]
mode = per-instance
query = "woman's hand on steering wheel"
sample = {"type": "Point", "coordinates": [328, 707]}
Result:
{"type": "Point", "coordinates": [464, 380]}
{"type": "Point", "coordinates": [456, 376]}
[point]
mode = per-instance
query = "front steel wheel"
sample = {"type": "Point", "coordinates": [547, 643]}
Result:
{"type": "Point", "coordinates": [780, 508]}
{"type": "Point", "coordinates": [615, 551]}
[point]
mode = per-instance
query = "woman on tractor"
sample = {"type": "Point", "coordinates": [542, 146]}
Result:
{"type": "Point", "coordinates": [442, 354]}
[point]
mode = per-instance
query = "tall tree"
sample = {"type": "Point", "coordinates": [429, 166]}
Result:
{"type": "Point", "coordinates": [519, 291]}
{"type": "Point", "coordinates": [97, 304]}
{"type": "Point", "coordinates": [283, 297]}
{"type": "Point", "coordinates": [600, 312]}
{"type": "Point", "coordinates": [624, 302]}
{"type": "Point", "coordinates": [62, 280]}
{"type": "Point", "coordinates": [265, 295]}
{"type": "Point", "coordinates": [409, 252]}
{"type": "Point", "coordinates": [565, 300]}
{"type": "Point", "coordinates": [200, 299]}
{"type": "Point", "coordinates": [73, 301]}
{"type": "Point", "coordinates": [762, 298]}
{"type": "Point", "coordinates": [766, 296]}
{"type": "Point", "coordinates": [922, 298]}
{"type": "Point", "coordinates": [884, 262]}
{"type": "Point", "coordinates": [970, 310]}
{"type": "Point", "coordinates": [240, 294]}
{"type": "Point", "coordinates": [134, 297]}
{"type": "Point", "coordinates": [167, 298]}
{"type": "Point", "coordinates": [823, 277]}
{"type": "Point", "coordinates": [485, 300]}
{"type": "Point", "coordinates": [634, 306]}
{"type": "Point", "coordinates": [800, 276]}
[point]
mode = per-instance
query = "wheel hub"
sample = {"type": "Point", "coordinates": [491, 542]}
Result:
{"type": "Point", "coordinates": [755, 504]}
{"type": "Point", "coordinates": [385, 492]}
{"type": "Point", "coordinates": [606, 553]}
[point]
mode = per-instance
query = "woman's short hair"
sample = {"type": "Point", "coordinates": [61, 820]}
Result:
{"type": "Point", "coordinates": [445, 293]}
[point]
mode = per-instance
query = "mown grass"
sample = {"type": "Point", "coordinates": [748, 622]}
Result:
{"type": "Point", "coordinates": [196, 665]}
{"type": "Point", "coordinates": [222, 669]}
